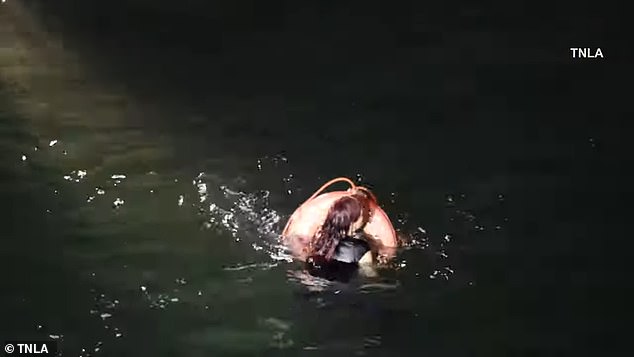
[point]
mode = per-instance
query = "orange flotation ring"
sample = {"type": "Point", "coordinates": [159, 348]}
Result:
{"type": "Point", "coordinates": [310, 215]}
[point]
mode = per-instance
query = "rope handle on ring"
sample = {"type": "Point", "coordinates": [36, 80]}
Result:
{"type": "Point", "coordinates": [335, 180]}
{"type": "Point", "coordinates": [344, 179]}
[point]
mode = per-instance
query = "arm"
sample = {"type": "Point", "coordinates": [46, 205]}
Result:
{"type": "Point", "coordinates": [366, 265]}
{"type": "Point", "coordinates": [381, 253]}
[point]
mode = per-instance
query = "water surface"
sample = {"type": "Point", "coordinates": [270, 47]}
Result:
{"type": "Point", "coordinates": [151, 154]}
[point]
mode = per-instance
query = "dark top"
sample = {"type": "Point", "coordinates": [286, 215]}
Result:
{"type": "Point", "coordinates": [350, 250]}
{"type": "Point", "coordinates": [344, 263]}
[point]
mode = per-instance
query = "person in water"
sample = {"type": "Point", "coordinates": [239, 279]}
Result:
{"type": "Point", "coordinates": [339, 233]}
{"type": "Point", "coordinates": [340, 248]}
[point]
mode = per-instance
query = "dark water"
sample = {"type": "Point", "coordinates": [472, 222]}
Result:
{"type": "Point", "coordinates": [151, 152]}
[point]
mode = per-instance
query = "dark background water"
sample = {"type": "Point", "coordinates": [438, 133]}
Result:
{"type": "Point", "coordinates": [503, 158]}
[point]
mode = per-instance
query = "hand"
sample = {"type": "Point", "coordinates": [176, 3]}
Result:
{"type": "Point", "coordinates": [382, 259]}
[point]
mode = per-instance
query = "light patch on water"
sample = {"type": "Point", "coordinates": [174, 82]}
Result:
{"type": "Point", "coordinates": [118, 178]}
{"type": "Point", "coordinates": [201, 187]}
{"type": "Point", "coordinates": [202, 191]}
{"type": "Point", "coordinates": [402, 218]}
{"type": "Point", "coordinates": [76, 176]}
{"type": "Point", "coordinates": [118, 202]}
{"type": "Point", "coordinates": [181, 199]}
{"type": "Point", "coordinates": [275, 323]}
{"type": "Point", "coordinates": [161, 301]}
{"type": "Point", "coordinates": [104, 309]}
{"type": "Point", "coordinates": [181, 281]}
{"type": "Point", "coordinates": [378, 287]}
{"type": "Point", "coordinates": [52, 143]}
{"type": "Point", "coordinates": [261, 266]}
{"type": "Point", "coordinates": [23, 157]}
{"type": "Point", "coordinates": [372, 341]}
{"type": "Point", "coordinates": [288, 180]}
{"type": "Point", "coordinates": [280, 329]}
{"type": "Point", "coordinates": [310, 282]}
{"type": "Point", "coordinates": [280, 341]}
{"type": "Point", "coordinates": [443, 273]}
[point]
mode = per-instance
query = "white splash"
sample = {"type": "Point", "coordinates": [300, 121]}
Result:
{"type": "Point", "coordinates": [247, 217]}
{"type": "Point", "coordinates": [52, 143]}
{"type": "Point", "coordinates": [161, 301]}
{"type": "Point", "coordinates": [181, 281]}
{"type": "Point", "coordinates": [118, 202]}
{"type": "Point", "coordinates": [75, 175]}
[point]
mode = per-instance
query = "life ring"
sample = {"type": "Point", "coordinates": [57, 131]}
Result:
{"type": "Point", "coordinates": [310, 215]}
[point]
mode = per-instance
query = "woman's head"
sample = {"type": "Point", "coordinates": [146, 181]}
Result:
{"type": "Point", "coordinates": [343, 218]}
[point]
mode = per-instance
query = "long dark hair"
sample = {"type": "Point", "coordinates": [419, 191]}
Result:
{"type": "Point", "coordinates": [343, 213]}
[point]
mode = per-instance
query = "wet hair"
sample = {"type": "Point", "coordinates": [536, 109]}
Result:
{"type": "Point", "coordinates": [343, 213]}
